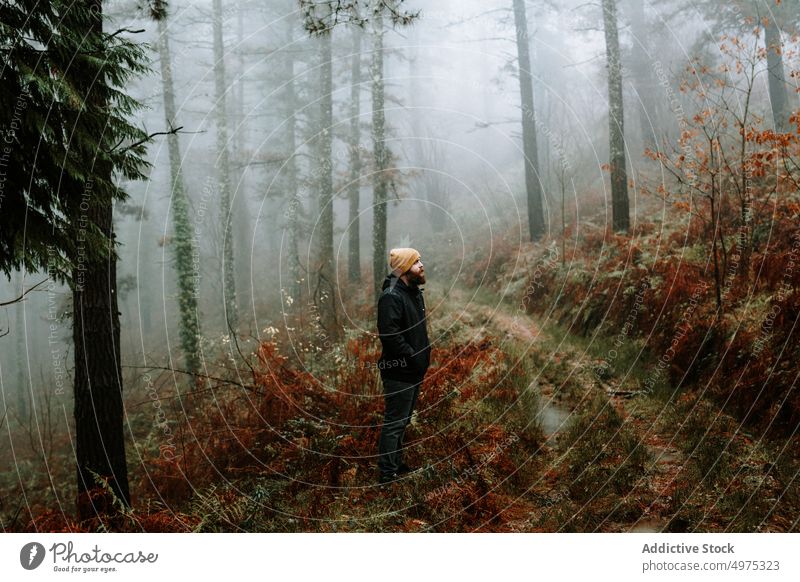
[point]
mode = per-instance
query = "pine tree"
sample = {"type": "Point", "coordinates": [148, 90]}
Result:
{"type": "Point", "coordinates": [323, 16]}
{"type": "Point", "coordinates": [294, 208]}
{"type": "Point", "coordinates": [223, 168]}
{"type": "Point", "coordinates": [354, 185]}
{"type": "Point", "coordinates": [324, 270]}
{"type": "Point", "coordinates": [619, 177]}
{"type": "Point", "coordinates": [65, 121]}
{"type": "Point", "coordinates": [240, 207]}
{"type": "Point", "coordinates": [533, 186]}
{"type": "Point", "coordinates": [379, 152]}
{"type": "Point", "coordinates": [183, 241]}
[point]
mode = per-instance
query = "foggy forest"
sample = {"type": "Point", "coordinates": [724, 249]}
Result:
{"type": "Point", "coordinates": [199, 200]}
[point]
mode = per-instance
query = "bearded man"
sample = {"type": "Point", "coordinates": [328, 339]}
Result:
{"type": "Point", "coordinates": [402, 328]}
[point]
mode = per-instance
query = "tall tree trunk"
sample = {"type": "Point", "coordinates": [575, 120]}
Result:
{"type": "Point", "coordinates": [619, 177]}
{"type": "Point", "coordinates": [354, 187]}
{"type": "Point", "coordinates": [777, 80]}
{"type": "Point", "coordinates": [325, 277]}
{"type": "Point", "coordinates": [379, 185]}
{"type": "Point", "coordinates": [240, 204]}
{"type": "Point", "coordinates": [98, 409]}
{"type": "Point", "coordinates": [184, 243]}
{"type": "Point", "coordinates": [223, 168]}
{"type": "Point", "coordinates": [294, 208]}
{"type": "Point", "coordinates": [536, 224]}
{"type": "Point", "coordinates": [99, 438]}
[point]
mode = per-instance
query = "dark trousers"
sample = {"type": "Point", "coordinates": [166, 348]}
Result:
{"type": "Point", "coordinates": [400, 398]}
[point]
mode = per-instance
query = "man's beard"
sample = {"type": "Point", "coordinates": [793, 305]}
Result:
{"type": "Point", "coordinates": [416, 279]}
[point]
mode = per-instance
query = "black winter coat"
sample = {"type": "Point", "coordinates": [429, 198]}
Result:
{"type": "Point", "coordinates": [402, 328]}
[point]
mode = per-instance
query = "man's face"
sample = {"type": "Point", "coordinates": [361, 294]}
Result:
{"type": "Point", "coordinates": [416, 274]}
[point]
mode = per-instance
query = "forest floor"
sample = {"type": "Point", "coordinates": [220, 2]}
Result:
{"type": "Point", "coordinates": [520, 427]}
{"type": "Point", "coordinates": [686, 469]}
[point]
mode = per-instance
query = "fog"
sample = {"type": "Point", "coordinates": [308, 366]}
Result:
{"type": "Point", "coordinates": [455, 170]}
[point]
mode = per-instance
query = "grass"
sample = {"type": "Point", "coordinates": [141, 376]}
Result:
{"type": "Point", "coordinates": [731, 481]}
{"type": "Point", "coordinates": [519, 381]}
{"type": "Point", "coordinates": [604, 457]}
{"type": "Point", "coordinates": [481, 444]}
{"type": "Point", "coordinates": [716, 488]}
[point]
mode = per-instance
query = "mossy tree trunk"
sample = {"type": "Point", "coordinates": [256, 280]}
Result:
{"type": "Point", "coordinates": [184, 247]}
{"type": "Point", "coordinates": [223, 171]}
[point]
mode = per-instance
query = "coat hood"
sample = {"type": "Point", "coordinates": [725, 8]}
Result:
{"type": "Point", "coordinates": [392, 280]}
{"type": "Point", "coordinates": [388, 282]}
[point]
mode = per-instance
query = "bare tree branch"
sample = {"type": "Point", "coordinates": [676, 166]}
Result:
{"type": "Point", "coordinates": [142, 141]}
{"type": "Point", "coordinates": [24, 293]}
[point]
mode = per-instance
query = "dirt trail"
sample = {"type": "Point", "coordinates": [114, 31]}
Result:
{"type": "Point", "coordinates": [667, 459]}
{"type": "Point", "coordinates": [700, 473]}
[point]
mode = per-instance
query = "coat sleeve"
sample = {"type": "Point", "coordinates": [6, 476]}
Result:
{"type": "Point", "coordinates": [390, 328]}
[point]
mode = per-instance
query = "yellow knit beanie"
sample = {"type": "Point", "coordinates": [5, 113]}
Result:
{"type": "Point", "coordinates": [401, 260]}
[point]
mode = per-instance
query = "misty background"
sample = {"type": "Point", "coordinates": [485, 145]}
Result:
{"type": "Point", "coordinates": [453, 131]}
